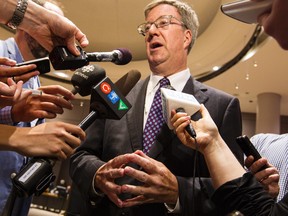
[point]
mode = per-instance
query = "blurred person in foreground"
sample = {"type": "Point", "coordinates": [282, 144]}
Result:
{"type": "Point", "coordinates": [275, 22]}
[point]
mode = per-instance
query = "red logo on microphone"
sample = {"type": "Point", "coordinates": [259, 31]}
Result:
{"type": "Point", "coordinates": [105, 88]}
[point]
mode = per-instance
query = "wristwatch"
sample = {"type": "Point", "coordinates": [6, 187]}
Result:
{"type": "Point", "coordinates": [18, 14]}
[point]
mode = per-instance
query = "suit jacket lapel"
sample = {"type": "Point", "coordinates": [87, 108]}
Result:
{"type": "Point", "coordinates": [196, 89]}
{"type": "Point", "coordinates": [135, 115]}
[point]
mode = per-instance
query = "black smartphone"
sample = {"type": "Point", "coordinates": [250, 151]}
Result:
{"type": "Point", "coordinates": [249, 149]}
{"type": "Point", "coordinates": [43, 64]}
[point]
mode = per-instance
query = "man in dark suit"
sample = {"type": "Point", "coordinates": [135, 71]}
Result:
{"type": "Point", "coordinates": [164, 183]}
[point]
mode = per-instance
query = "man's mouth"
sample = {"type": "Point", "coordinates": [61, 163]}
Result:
{"type": "Point", "coordinates": [155, 45]}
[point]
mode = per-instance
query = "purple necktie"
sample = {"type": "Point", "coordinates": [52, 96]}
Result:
{"type": "Point", "coordinates": [155, 119]}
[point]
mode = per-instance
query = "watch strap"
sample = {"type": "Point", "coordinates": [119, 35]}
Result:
{"type": "Point", "coordinates": [18, 14]}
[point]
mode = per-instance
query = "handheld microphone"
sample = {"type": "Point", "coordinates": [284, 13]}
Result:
{"type": "Point", "coordinates": [36, 176]}
{"type": "Point", "coordinates": [85, 78]}
{"type": "Point", "coordinates": [110, 110]}
{"type": "Point", "coordinates": [172, 99]}
{"type": "Point", "coordinates": [62, 59]}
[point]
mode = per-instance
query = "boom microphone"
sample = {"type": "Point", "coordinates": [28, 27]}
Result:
{"type": "Point", "coordinates": [62, 59]}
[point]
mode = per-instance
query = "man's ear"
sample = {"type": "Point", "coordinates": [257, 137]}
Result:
{"type": "Point", "coordinates": [187, 38]}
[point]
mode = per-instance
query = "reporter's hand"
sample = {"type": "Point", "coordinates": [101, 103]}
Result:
{"type": "Point", "coordinates": [52, 139]}
{"type": "Point", "coordinates": [8, 70]}
{"type": "Point", "coordinates": [12, 93]}
{"type": "Point", "coordinates": [159, 184]}
{"type": "Point", "coordinates": [205, 129]}
{"type": "Point", "coordinates": [268, 177]}
{"type": "Point", "coordinates": [51, 29]}
{"type": "Point", "coordinates": [53, 100]}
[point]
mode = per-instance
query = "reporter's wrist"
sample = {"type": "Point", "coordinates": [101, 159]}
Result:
{"type": "Point", "coordinates": [33, 18]}
{"type": "Point", "coordinates": [18, 14]}
{"type": "Point", "coordinates": [7, 8]}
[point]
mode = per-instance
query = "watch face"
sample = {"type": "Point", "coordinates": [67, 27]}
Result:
{"type": "Point", "coordinates": [10, 25]}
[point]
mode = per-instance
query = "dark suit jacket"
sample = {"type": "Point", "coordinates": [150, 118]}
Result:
{"type": "Point", "coordinates": [110, 138]}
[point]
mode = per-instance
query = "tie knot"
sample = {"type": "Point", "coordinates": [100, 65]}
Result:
{"type": "Point", "coordinates": [164, 82]}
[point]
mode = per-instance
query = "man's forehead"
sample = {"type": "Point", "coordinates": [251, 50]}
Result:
{"type": "Point", "coordinates": [162, 10]}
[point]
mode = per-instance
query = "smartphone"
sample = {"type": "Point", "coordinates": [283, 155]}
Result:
{"type": "Point", "coordinates": [245, 10]}
{"type": "Point", "coordinates": [43, 64]}
{"type": "Point", "coordinates": [249, 149]}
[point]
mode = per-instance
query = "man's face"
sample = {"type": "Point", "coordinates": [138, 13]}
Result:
{"type": "Point", "coordinates": [166, 47]}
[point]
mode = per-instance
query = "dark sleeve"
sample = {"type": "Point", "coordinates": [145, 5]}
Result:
{"type": "Point", "coordinates": [231, 127]}
{"type": "Point", "coordinates": [227, 115]}
{"type": "Point", "coordinates": [244, 194]}
{"type": "Point", "coordinates": [196, 201]}
{"type": "Point", "coordinates": [84, 163]}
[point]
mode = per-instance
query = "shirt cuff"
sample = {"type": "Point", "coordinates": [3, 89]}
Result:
{"type": "Point", "coordinates": [5, 116]}
{"type": "Point", "coordinates": [173, 208]}
{"type": "Point", "coordinates": [94, 190]}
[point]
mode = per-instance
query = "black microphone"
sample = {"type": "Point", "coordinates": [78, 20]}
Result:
{"type": "Point", "coordinates": [62, 59]}
{"type": "Point", "coordinates": [101, 107]}
{"type": "Point", "coordinates": [85, 78]}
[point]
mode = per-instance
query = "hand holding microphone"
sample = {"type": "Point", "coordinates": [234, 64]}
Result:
{"type": "Point", "coordinates": [189, 127]}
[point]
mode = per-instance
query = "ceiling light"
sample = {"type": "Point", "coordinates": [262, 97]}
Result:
{"type": "Point", "coordinates": [215, 68]}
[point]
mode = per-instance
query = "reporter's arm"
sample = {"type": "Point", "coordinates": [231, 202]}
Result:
{"type": "Point", "coordinates": [53, 139]}
{"type": "Point", "coordinates": [47, 27]}
{"type": "Point", "coordinates": [222, 164]}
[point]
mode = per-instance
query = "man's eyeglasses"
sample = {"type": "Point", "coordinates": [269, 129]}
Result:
{"type": "Point", "coordinates": [161, 22]}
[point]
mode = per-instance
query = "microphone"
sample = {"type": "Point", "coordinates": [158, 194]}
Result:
{"type": "Point", "coordinates": [85, 78]}
{"type": "Point", "coordinates": [172, 99]}
{"type": "Point", "coordinates": [62, 59]}
{"type": "Point", "coordinates": [36, 176]}
{"type": "Point", "coordinates": [120, 56]}
{"type": "Point", "coordinates": [102, 107]}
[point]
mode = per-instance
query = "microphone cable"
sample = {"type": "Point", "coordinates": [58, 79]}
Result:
{"type": "Point", "coordinates": [193, 135]}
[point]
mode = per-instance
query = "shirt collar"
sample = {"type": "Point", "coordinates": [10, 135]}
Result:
{"type": "Point", "coordinates": [177, 80]}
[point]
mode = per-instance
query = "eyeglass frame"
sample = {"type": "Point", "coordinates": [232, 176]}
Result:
{"type": "Point", "coordinates": [144, 32]}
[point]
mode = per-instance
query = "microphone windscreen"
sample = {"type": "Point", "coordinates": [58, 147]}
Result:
{"type": "Point", "coordinates": [172, 99]}
{"type": "Point", "coordinates": [128, 81]}
{"type": "Point", "coordinates": [86, 77]}
{"type": "Point", "coordinates": [125, 57]}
